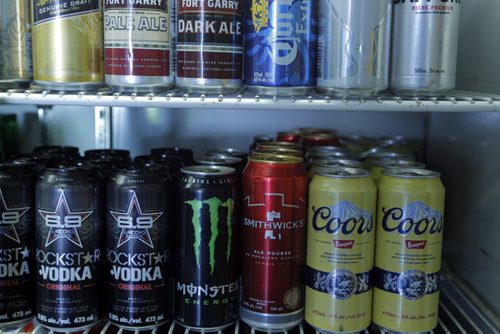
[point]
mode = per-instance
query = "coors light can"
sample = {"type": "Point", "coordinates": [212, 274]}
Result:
{"type": "Point", "coordinates": [69, 240]}
{"type": "Point", "coordinates": [137, 45]}
{"type": "Point", "coordinates": [353, 46]}
{"type": "Point", "coordinates": [424, 46]}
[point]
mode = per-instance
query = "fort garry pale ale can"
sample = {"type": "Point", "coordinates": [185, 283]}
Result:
{"type": "Point", "coordinates": [408, 250]}
{"type": "Point", "coordinates": [68, 44]}
{"type": "Point", "coordinates": [341, 239]}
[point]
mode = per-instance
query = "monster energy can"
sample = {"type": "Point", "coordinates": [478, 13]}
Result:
{"type": "Point", "coordinates": [139, 221]}
{"type": "Point", "coordinates": [353, 46]}
{"type": "Point", "coordinates": [15, 44]}
{"type": "Point", "coordinates": [68, 44]}
{"type": "Point", "coordinates": [206, 279]}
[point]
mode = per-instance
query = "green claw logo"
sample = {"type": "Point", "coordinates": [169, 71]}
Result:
{"type": "Point", "coordinates": [213, 204]}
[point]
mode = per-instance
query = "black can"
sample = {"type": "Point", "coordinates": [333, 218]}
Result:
{"type": "Point", "coordinates": [17, 243]}
{"type": "Point", "coordinates": [223, 160]}
{"type": "Point", "coordinates": [185, 154]}
{"type": "Point", "coordinates": [57, 152]}
{"type": "Point", "coordinates": [206, 279]}
{"type": "Point", "coordinates": [69, 243]}
{"type": "Point", "coordinates": [106, 153]}
{"type": "Point", "coordinates": [139, 247]}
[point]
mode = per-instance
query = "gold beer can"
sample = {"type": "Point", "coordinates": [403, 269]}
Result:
{"type": "Point", "coordinates": [68, 44]}
{"type": "Point", "coordinates": [340, 250]}
{"type": "Point", "coordinates": [379, 165]}
{"type": "Point", "coordinates": [408, 250]}
{"type": "Point", "coordinates": [15, 44]}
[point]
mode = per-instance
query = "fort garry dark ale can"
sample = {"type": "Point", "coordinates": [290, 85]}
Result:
{"type": "Point", "coordinates": [17, 231]}
{"type": "Point", "coordinates": [69, 235]}
{"type": "Point", "coordinates": [206, 282]}
{"type": "Point", "coordinates": [139, 225]}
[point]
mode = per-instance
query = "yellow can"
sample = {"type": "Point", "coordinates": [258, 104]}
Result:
{"type": "Point", "coordinates": [379, 165]}
{"type": "Point", "coordinates": [340, 250]}
{"type": "Point", "coordinates": [68, 44]}
{"type": "Point", "coordinates": [325, 165]}
{"type": "Point", "coordinates": [408, 250]}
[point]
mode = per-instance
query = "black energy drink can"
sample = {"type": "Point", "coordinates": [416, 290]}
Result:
{"type": "Point", "coordinates": [17, 243]}
{"type": "Point", "coordinates": [206, 279]}
{"type": "Point", "coordinates": [69, 242]}
{"type": "Point", "coordinates": [139, 246]}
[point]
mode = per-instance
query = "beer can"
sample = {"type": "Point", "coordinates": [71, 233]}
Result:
{"type": "Point", "coordinates": [69, 244]}
{"type": "Point", "coordinates": [209, 45]}
{"type": "Point", "coordinates": [385, 155]}
{"type": "Point", "coordinates": [408, 250]}
{"type": "Point", "coordinates": [320, 139]}
{"type": "Point", "coordinates": [228, 151]}
{"type": "Point", "coordinates": [15, 44]}
{"type": "Point", "coordinates": [377, 166]}
{"type": "Point", "coordinates": [289, 136]}
{"type": "Point", "coordinates": [321, 166]}
{"type": "Point", "coordinates": [340, 250]}
{"type": "Point", "coordinates": [68, 44]}
{"type": "Point", "coordinates": [278, 151]}
{"type": "Point", "coordinates": [260, 139]}
{"type": "Point", "coordinates": [102, 153]}
{"type": "Point", "coordinates": [206, 279]}
{"type": "Point", "coordinates": [313, 131]}
{"type": "Point", "coordinates": [273, 243]}
{"type": "Point", "coordinates": [17, 243]}
{"type": "Point", "coordinates": [139, 248]}
{"type": "Point", "coordinates": [280, 46]}
{"type": "Point", "coordinates": [185, 154]}
{"type": "Point", "coordinates": [354, 46]}
{"type": "Point", "coordinates": [424, 46]}
{"type": "Point", "coordinates": [137, 45]}
{"type": "Point", "coordinates": [57, 151]}
{"type": "Point", "coordinates": [280, 144]}
{"type": "Point", "coordinates": [228, 161]}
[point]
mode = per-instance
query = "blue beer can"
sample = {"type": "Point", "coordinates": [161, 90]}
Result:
{"type": "Point", "coordinates": [280, 46]}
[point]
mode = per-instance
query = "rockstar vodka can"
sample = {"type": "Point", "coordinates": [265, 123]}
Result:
{"type": "Point", "coordinates": [69, 244]}
{"type": "Point", "coordinates": [354, 46]}
{"type": "Point", "coordinates": [408, 250]}
{"type": "Point", "coordinates": [139, 247]}
{"type": "Point", "coordinates": [340, 250]}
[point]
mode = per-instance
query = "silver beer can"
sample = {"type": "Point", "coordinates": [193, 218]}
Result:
{"type": "Point", "coordinates": [424, 46]}
{"type": "Point", "coordinates": [354, 46]}
{"type": "Point", "coordinates": [138, 46]}
{"type": "Point", "coordinates": [15, 44]}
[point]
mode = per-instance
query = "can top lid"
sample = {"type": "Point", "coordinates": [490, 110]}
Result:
{"type": "Point", "coordinates": [388, 163]}
{"type": "Point", "coordinates": [280, 144]}
{"type": "Point", "coordinates": [329, 148]}
{"type": "Point", "coordinates": [207, 170]}
{"type": "Point", "coordinates": [221, 160]}
{"type": "Point", "coordinates": [227, 150]}
{"type": "Point", "coordinates": [411, 173]}
{"type": "Point", "coordinates": [277, 151]}
{"type": "Point", "coordinates": [263, 138]}
{"type": "Point", "coordinates": [345, 172]}
{"type": "Point", "coordinates": [336, 162]}
{"type": "Point", "coordinates": [391, 155]}
{"type": "Point", "coordinates": [275, 159]}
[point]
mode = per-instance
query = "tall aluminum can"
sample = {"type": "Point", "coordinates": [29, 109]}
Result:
{"type": "Point", "coordinates": [378, 166]}
{"type": "Point", "coordinates": [354, 46]}
{"type": "Point", "coordinates": [340, 250]}
{"type": "Point", "coordinates": [15, 44]}
{"type": "Point", "coordinates": [69, 244]}
{"type": "Point", "coordinates": [280, 46]}
{"type": "Point", "coordinates": [207, 285]}
{"type": "Point", "coordinates": [320, 166]}
{"type": "Point", "coordinates": [209, 50]}
{"type": "Point", "coordinates": [137, 45]}
{"type": "Point", "coordinates": [17, 243]}
{"type": "Point", "coordinates": [68, 49]}
{"type": "Point", "coordinates": [273, 242]}
{"type": "Point", "coordinates": [408, 250]}
{"type": "Point", "coordinates": [139, 248]}
{"type": "Point", "coordinates": [424, 46]}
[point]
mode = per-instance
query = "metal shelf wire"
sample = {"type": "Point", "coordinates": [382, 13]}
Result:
{"type": "Point", "coordinates": [459, 313]}
{"type": "Point", "coordinates": [455, 101]}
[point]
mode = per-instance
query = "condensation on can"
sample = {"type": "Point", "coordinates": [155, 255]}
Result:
{"type": "Point", "coordinates": [354, 46]}
{"type": "Point", "coordinates": [424, 47]}
{"type": "Point", "coordinates": [209, 59]}
{"type": "Point", "coordinates": [15, 44]}
{"type": "Point", "coordinates": [280, 46]}
{"type": "Point", "coordinates": [340, 250]}
{"type": "Point", "coordinates": [408, 250]}
{"type": "Point", "coordinates": [138, 46]}
{"type": "Point", "coordinates": [68, 49]}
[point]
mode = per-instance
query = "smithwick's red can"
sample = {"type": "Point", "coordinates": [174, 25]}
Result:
{"type": "Point", "coordinates": [289, 136]}
{"type": "Point", "coordinates": [320, 139]}
{"type": "Point", "coordinates": [273, 242]}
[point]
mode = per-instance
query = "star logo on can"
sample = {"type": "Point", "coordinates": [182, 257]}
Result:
{"type": "Point", "coordinates": [9, 218]}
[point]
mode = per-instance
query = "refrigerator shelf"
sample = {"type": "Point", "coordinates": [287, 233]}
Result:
{"type": "Point", "coordinates": [456, 101]}
{"type": "Point", "coordinates": [459, 313]}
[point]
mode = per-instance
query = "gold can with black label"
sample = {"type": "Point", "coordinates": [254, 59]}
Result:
{"type": "Point", "coordinates": [68, 44]}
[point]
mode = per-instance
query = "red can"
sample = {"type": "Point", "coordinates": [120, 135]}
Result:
{"type": "Point", "coordinates": [289, 136]}
{"type": "Point", "coordinates": [273, 239]}
{"type": "Point", "coordinates": [320, 139]}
